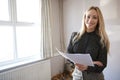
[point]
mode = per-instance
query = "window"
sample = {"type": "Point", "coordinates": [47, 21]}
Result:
{"type": "Point", "coordinates": [19, 31]}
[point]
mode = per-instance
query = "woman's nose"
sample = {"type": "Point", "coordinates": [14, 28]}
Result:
{"type": "Point", "coordinates": [90, 20]}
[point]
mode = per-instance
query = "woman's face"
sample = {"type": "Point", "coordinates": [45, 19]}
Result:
{"type": "Point", "coordinates": [91, 20]}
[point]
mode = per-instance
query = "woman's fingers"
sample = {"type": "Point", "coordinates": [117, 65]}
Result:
{"type": "Point", "coordinates": [98, 63]}
{"type": "Point", "coordinates": [81, 67]}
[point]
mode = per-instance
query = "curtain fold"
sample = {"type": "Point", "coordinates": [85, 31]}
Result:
{"type": "Point", "coordinates": [52, 27]}
{"type": "Point", "coordinates": [61, 25]}
{"type": "Point", "coordinates": [46, 30]}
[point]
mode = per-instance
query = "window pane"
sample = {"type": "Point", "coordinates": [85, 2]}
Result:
{"type": "Point", "coordinates": [6, 43]}
{"type": "Point", "coordinates": [4, 14]}
{"type": "Point", "coordinates": [28, 10]}
{"type": "Point", "coordinates": [28, 41]}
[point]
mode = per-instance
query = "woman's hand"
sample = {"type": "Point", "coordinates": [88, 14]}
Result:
{"type": "Point", "coordinates": [81, 67]}
{"type": "Point", "coordinates": [84, 67]}
{"type": "Point", "coordinates": [98, 63]}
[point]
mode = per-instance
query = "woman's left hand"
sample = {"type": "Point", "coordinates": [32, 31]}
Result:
{"type": "Point", "coordinates": [81, 67]}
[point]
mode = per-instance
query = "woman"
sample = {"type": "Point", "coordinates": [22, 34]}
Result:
{"type": "Point", "coordinates": [91, 39]}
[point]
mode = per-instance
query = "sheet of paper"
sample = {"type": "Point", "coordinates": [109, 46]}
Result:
{"type": "Point", "coordinates": [84, 59]}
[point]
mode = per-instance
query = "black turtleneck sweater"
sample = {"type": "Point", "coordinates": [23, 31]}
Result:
{"type": "Point", "coordinates": [90, 43]}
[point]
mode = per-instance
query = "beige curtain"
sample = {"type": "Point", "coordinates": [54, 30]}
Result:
{"type": "Point", "coordinates": [47, 22]}
{"type": "Point", "coordinates": [62, 44]}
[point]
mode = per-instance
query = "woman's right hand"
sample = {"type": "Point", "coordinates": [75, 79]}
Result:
{"type": "Point", "coordinates": [98, 63]}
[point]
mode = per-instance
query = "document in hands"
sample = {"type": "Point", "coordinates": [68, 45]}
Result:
{"type": "Point", "coordinates": [84, 59]}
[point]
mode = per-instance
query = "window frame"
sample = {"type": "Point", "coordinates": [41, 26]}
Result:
{"type": "Point", "coordinates": [13, 22]}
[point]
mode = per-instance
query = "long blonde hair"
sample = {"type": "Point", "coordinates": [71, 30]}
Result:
{"type": "Point", "coordinates": [100, 29]}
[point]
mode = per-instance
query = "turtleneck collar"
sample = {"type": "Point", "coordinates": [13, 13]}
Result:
{"type": "Point", "coordinates": [93, 32]}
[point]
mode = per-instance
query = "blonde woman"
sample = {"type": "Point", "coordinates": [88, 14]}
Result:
{"type": "Point", "coordinates": [91, 39]}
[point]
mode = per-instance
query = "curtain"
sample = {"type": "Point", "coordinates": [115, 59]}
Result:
{"type": "Point", "coordinates": [62, 44]}
{"type": "Point", "coordinates": [46, 29]}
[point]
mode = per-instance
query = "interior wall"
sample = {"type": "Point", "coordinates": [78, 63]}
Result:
{"type": "Point", "coordinates": [111, 11]}
{"type": "Point", "coordinates": [73, 11]}
{"type": "Point", "coordinates": [112, 71]}
{"type": "Point", "coordinates": [72, 16]}
{"type": "Point", "coordinates": [57, 65]}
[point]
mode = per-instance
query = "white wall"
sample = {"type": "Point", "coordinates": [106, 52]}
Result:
{"type": "Point", "coordinates": [111, 11]}
{"type": "Point", "coordinates": [72, 17]}
{"type": "Point", "coordinates": [57, 65]}
{"type": "Point", "coordinates": [73, 11]}
{"type": "Point", "coordinates": [112, 71]}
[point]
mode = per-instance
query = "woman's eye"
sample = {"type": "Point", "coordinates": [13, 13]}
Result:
{"type": "Point", "coordinates": [94, 17]}
{"type": "Point", "coordinates": [88, 17]}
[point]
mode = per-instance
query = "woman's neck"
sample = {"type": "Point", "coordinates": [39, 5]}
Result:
{"type": "Point", "coordinates": [92, 30]}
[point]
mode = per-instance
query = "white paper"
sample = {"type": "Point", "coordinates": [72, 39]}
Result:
{"type": "Point", "coordinates": [84, 59]}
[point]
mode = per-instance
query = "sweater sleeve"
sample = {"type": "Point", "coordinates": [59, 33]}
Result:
{"type": "Point", "coordinates": [102, 57]}
{"type": "Point", "coordinates": [70, 46]}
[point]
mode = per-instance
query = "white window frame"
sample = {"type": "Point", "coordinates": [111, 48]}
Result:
{"type": "Point", "coordinates": [13, 22]}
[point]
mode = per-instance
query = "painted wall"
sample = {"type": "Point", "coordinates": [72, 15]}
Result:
{"type": "Point", "coordinates": [72, 16]}
{"type": "Point", "coordinates": [73, 11]}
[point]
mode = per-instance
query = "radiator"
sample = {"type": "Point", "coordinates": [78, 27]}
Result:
{"type": "Point", "coordinates": [37, 71]}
